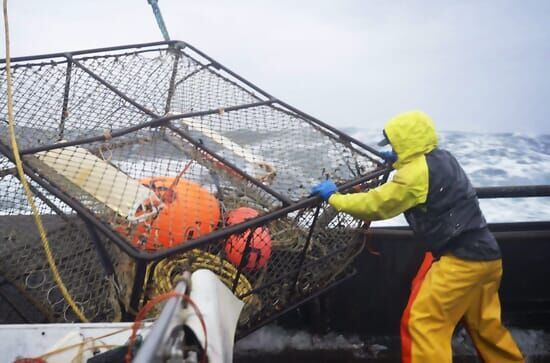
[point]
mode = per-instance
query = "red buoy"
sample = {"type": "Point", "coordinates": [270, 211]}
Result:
{"type": "Point", "coordinates": [260, 241]}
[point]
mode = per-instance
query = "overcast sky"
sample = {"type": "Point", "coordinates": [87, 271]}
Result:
{"type": "Point", "coordinates": [480, 66]}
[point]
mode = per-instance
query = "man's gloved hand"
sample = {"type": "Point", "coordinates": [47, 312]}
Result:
{"type": "Point", "coordinates": [324, 189]}
{"type": "Point", "coordinates": [389, 156]}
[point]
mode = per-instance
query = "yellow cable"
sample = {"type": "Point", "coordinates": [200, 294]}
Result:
{"type": "Point", "coordinates": [164, 272]}
{"type": "Point", "coordinates": [36, 215]}
{"type": "Point", "coordinates": [80, 344]}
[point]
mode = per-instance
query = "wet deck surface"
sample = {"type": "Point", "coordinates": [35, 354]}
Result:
{"type": "Point", "coordinates": [295, 356]}
{"type": "Point", "coordinates": [343, 356]}
{"type": "Point", "coordinates": [276, 344]}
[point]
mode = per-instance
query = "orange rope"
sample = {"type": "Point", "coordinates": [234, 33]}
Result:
{"type": "Point", "coordinates": [368, 239]}
{"type": "Point", "coordinates": [168, 193]}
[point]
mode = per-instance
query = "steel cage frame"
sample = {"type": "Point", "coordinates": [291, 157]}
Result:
{"type": "Point", "coordinates": [142, 258]}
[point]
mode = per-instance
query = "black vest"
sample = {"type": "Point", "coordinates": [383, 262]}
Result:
{"type": "Point", "coordinates": [451, 221]}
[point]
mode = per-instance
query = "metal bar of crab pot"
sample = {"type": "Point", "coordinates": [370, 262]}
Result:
{"type": "Point", "coordinates": [97, 56]}
{"type": "Point", "coordinates": [304, 252]}
{"type": "Point", "coordinates": [244, 260]}
{"type": "Point", "coordinates": [319, 125]}
{"type": "Point", "coordinates": [310, 118]}
{"type": "Point", "coordinates": [160, 121]}
{"type": "Point", "coordinates": [75, 205]}
{"type": "Point", "coordinates": [44, 199]}
{"type": "Point", "coordinates": [325, 131]}
{"type": "Point", "coordinates": [113, 88]}
{"type": "Point", "coordinates": [64, 106]}
{"type": "Point", "coordinates": [256, 222]}
{"type": "Point", "coordinates": [87, 51]}
{"type": "Point", "coordinates": [232, 166]}
{"type": "Point", "coordinates": [284, 276]}
{"type": "Point", "coordinates": [137, 288]}
{"type": "Point", "coordinates": [172, 85]}
{"type": "Point", "coordinates": [242, 333]}
{"type": "Point", "coordinates": [100, 248]}
{"type": "Point", "coordinates": [188, 245]}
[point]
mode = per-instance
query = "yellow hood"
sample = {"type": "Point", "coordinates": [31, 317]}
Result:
{"type": "Point", "coordinates": [411, 134]}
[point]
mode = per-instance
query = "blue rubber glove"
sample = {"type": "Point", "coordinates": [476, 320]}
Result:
{"type": "Point", "coordinates": [389, 156]}
{"type": "Point", "coordinates": [324, 189]}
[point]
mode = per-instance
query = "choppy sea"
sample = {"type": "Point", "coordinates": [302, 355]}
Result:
{"type": "Point", "coordinates": [495, 160]}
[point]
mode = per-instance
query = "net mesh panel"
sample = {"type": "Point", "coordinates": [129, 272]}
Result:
{"type": "Point", "coordinates": [227, 160]}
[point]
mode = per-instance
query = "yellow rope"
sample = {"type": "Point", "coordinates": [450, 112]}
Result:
{"type": "Point", "coordinates": [80, 344]}
{"type": "Point", "coordinates": [19, 165]}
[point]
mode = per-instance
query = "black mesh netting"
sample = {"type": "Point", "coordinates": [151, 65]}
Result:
{"type": "Point", "coordinates": [148, 161]}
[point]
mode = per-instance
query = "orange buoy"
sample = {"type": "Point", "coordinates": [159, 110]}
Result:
{"type": "Point", "coordinates": [260, 242]}
{"type": "Point", "coordinates": [189, 211]}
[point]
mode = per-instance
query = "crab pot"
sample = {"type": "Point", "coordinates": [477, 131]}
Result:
{"type": "Point", "coordinates": [148, 160]}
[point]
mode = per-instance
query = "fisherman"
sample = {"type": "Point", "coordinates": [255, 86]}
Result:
{"type": "Point", "coordinates": [460, 276]}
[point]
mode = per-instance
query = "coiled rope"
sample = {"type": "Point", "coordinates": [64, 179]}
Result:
{"type": "Point", "coordinates": [167, 269]}
{"type": "Point", "coordinates": [165, 272]}
{"type": "Point", "coordinates": [22, 178]}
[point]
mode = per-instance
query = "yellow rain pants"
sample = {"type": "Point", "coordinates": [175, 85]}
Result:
{"type": "Point", "coordinates": [443, 293]}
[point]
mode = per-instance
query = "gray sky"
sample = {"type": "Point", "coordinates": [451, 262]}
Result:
{"type": "Point", "coordinates": [479, 66]}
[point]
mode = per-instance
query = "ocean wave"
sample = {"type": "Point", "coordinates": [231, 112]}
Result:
{"type": "Point", "coordinates": [494, 160]}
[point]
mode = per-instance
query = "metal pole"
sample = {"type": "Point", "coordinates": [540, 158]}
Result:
{"type": "Point", "coordinates": [153, 348]}
{"type": "Point", "coordinates": [160, 20]}
{"type": "Point", "coordinates": [244, 260]}
{"type": "Point", "coordinates": [64, 108]}
{"type": "Point", "coordinates": [86, 51]}
{"type": "Point", "coordinates": [100, 248]}
{"type": "Point", "coordinates": [157, 121]}
{"type": "Point", "coordinates": [303, 254]}
{"type": "Point", "coordinates": [137, 289]}
{"type": "Point", "coordinates": [172, 86]}
{"type": "Point", "coordinates": [519, 191]}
